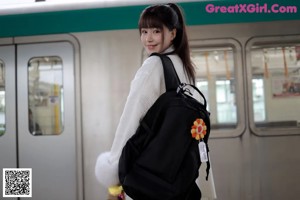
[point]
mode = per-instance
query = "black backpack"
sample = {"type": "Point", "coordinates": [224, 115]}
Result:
{"type": "Point", "coordinates": [161, 160]}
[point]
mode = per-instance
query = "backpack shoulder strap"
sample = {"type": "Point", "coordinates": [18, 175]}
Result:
{"type": "Point", "coordinates": [171, 78]}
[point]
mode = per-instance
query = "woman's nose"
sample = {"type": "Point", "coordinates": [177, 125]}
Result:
{"type": "Point", "coordinates": [149, 37]}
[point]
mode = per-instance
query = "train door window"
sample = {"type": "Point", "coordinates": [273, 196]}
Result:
{"type": "Point", "coordinates": [45, 96]}
{"type": "Point", "coordinates": [2, 98]}
{"type": "Point", "coordinates": [258, 99]}
{"type": "Point", "coordinates": [202, 85]}
{"type": "Point", "coordinates": [216, 67]}
{"type": "Point", "coordinates": [275, 102]}
{"type": "Point", "coordinates": [219, 77]}
{"type": "Point", "coordinates": [226, 108]}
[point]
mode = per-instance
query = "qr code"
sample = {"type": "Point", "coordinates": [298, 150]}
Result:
{"type": "Point", "coordinates": [17, 182]}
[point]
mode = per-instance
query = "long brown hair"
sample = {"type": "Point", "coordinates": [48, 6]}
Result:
{"type": "Point", "coordinates": [171, 16]}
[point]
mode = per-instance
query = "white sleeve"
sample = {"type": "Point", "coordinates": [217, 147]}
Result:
{"type": "Point", "coordinates": [146, 87]}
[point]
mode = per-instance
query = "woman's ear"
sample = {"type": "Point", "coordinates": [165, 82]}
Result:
{"type": "Point", "coordinates": [173, 33]}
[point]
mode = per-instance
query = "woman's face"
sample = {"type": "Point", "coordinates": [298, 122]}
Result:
{"type": "Point", "coordinates": [156, 40]}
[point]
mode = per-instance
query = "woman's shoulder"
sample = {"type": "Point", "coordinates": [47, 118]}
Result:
{"type": "Point", "coordinates": [152, 64]}
{"type": "Point", "coordinates": [150, 71]}
{"type": "Point", "coordinates": [154, 60]}
{"type": "Point", "coordinates": [151, 61]}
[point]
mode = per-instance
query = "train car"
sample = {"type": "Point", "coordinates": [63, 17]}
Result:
{"type": "Point", "coordinates": [65, 72]}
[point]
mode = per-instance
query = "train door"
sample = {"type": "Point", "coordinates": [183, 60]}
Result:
{"type": "Point", "coordinates": [40, 117]}
{"type": "Point", "coordinates": [8, 143]}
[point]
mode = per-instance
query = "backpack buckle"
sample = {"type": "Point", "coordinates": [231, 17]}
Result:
{"type": "Point", "coordinates": [182, 89]}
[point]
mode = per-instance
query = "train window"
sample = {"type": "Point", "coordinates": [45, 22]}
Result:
{"type": "Point", "coordinates": [202, 85]}
{"type": "Point", "coordinates": [258, 99]}
{"type": "Point", "coordinates": [215, 71]}
{"type": "Point", "coordinates": [226, 108]}
{"type": "Point", "coordinates": [45, 96]}
{"type": "Point", "coordinates": [2, 98]}
{"type": "Point", "coordinates": [275, 77]}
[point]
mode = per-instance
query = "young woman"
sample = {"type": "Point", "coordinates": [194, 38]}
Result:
{"type": "Point", "coordinates": [162, 30]}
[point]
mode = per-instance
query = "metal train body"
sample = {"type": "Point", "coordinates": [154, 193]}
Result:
{"type": "Point", "coordinates": [73, 69]}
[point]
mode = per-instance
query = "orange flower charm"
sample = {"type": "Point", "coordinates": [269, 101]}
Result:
{"type": "Point", "coordinates": [198, 130]}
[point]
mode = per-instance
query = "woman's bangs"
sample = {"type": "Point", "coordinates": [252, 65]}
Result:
{"type": "Point", "coordinates": [150, 21]}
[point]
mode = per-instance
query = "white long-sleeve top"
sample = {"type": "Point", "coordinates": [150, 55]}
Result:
{"type": "Point", "coordinates": [147, 85]}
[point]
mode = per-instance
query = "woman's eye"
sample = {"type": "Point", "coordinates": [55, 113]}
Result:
{"type": "Point", "coordinates": [143, 31]}
{"type": "Point", "coordinates": [156, 31]}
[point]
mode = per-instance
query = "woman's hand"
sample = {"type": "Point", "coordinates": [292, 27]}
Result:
{"type": "Point", "coordinates": [116, 193]}
{"type": "Point", "coordinates": [119, 197]}
{"type": "Point", "coordinates": [111, 197]}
